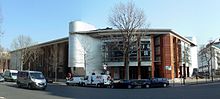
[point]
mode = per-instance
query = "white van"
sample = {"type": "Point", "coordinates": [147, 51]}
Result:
{"type": "Point", "coordinates": [97, 80]}
{"type": "Point", "coordinates": [75, 81]}
{"type": "Point", "coordinates": [31, 80]}
{"type": "Point", "coordinates": [10, 75]}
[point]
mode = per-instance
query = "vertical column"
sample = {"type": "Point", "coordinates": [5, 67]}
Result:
{"type": "Point", "coordinates": [176, 58]}
{"type": "Point", "coordinates": [168, 56]}
{"type": "Point", "coordinates": [55, 48]}
{"type": "Point", "coordinates": [152, 56]}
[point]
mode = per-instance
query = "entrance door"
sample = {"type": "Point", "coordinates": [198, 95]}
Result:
{"type": "Point", "coordinates": [116, 73]}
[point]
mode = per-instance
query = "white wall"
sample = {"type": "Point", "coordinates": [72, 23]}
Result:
{"type": "Point", "coordinates": [194, 56]}
{"type": "Point", "coordinates": [84, 51]}
{"type": "Point", "coordinates": [77, 26]}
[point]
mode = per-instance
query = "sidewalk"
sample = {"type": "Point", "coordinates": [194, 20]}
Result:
{"type": "Point", "coordinates": [177, 82]}
{"type": "Point", "coordinates": [59, 82]}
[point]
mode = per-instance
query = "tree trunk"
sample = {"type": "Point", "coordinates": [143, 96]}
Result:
{"type": "Point", "coordinates": [126, 63]}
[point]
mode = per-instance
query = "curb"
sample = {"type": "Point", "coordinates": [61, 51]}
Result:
{"type": "Point", "coordinates": [56, 83]}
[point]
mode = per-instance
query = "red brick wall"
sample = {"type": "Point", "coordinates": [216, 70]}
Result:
{"type": "Point", "coordinates": [168, 58]}
{"type": "Point", "coordinates": [153, 56]}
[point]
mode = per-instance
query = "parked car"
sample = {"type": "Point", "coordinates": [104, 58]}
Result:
{"type": "Point", "coordinates": [1, 78]}
{"type": "Point", "coordinates": [159, 82]}
{"type": "Point", "coordinates": [143, 83]}
{"type": "Point", "coordinates": [75, 81]}
{"type": "Point", "coordinates": [49, 80]}
{"type": "Point", "coordinates": [122, 84]}
{"type": "Point", "coordinates": [10, 75]}
{"type": "Point", "coordinates": [31, 80]}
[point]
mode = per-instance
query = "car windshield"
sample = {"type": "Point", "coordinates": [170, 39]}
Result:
{"type": "Point", "coordinates": [37, 75]}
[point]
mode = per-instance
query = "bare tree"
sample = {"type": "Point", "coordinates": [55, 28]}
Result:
{"type": "Point", "coordinates": [52, 60]}
{"type": "Point", "coordinates": [23, 46]}
{"type": "Point", "coordinates": [4, 57]}
{"type": "Point", "coordinates": [34, 56]}
{"type": "Point", "coordinates": [127, 18]}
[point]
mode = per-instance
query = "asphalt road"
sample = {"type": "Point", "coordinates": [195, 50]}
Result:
{"type": "Point", "coordinates": [54, 91]}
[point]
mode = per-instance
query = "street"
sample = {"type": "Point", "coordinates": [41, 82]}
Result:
{"type": "Point", "coordinates": [55, 91]}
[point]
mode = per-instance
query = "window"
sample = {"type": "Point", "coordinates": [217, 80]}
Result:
{"type": "Point", "coordinates": [157, 50]}
{"type": "Point", "coordinates": [113, 51]}
{"type": "Point", "coordinates": [158, 58]}
{"type": "Point", "coordinates": [157, 41]}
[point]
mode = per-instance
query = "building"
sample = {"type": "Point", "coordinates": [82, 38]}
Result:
{"type": "Point", "coordinates": [164, 53]}
{"type": "Point", "coordinates": [209, 58]}
{"type": "Point", "coordinates": [4, 61]}
{"type": "Point", "coordinates": [53, 61]}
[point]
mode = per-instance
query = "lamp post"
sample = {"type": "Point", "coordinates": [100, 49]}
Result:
{"type": "Point", "coordinates": [105, 68]}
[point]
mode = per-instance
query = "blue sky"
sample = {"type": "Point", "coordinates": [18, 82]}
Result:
{"type": "Point", "coordinates": [45, 20]}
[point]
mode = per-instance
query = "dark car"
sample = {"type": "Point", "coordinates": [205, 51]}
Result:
{"type": "Point", "coordinates": [122, 84]}
{"type": "Point", "coordinates": [143, 83]}
{"type": "Point", "coordinates": [147, 83]}
{"type": "Point", "coordinates": [49, 80]}
{"type": "Point", "coordinates": [159, 82]}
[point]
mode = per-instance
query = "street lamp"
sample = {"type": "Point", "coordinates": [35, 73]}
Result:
{"type": "Point", "coordinates": [105, 68]}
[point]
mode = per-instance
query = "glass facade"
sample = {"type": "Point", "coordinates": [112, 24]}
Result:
{"type": "Point", "coordinates": [113, 51]}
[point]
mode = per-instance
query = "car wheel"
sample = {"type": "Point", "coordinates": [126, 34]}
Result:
{"type": "Point", "coordinates": [164, 85]}
{"type": "Point", "coordinates": [112, 86]}
{"type": "Point", "coordinates": [30, 86]}
{"type": "Point", "coordinates": [83, 84]}
{"type": "Point", "coordinates": [98, 85]}
{"type": "Point", "coordinates": [129, 86]}
{"type": "Point", "coordinates": [44, 88]}
{"type": "Point", "coordinates": [147, 86]}
{"type": "Point", "coordinates": [67, 84]}
{"type": "Point", "coordinates": [18, 85]}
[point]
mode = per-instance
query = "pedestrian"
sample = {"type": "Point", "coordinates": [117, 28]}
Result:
{"type": "Point", "coordinates": [69, 76]}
